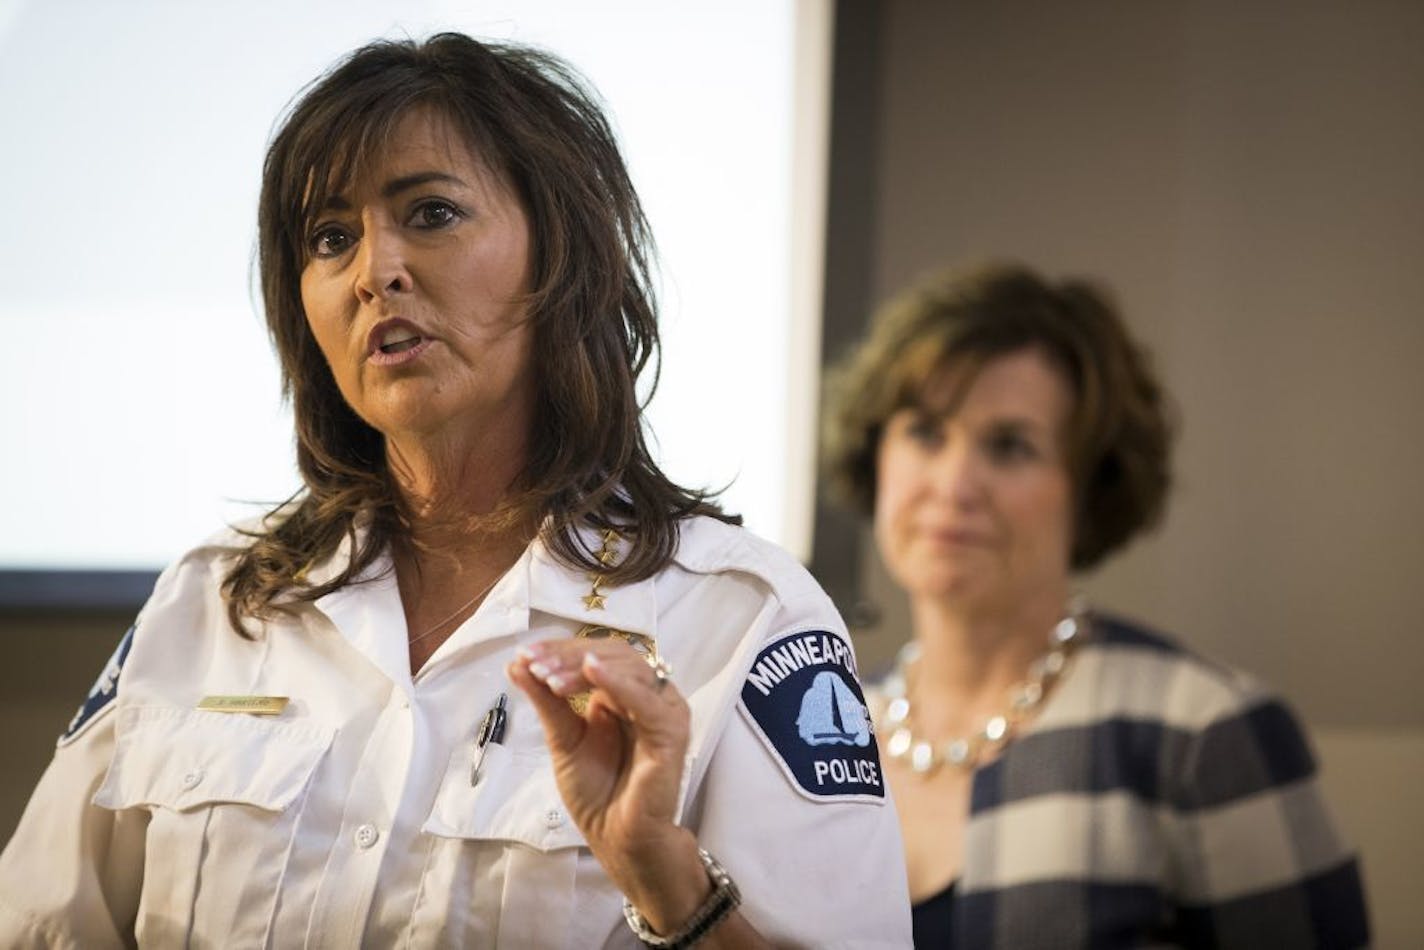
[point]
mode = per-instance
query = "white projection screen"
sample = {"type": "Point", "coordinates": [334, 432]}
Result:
{"type": "Point", "coordinates": [140, 399]}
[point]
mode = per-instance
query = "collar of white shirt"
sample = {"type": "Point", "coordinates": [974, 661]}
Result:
{"type": "Point", "coordinates": [368, 613]}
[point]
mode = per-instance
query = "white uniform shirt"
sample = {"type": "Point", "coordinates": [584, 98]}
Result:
{"type": "Point", "coordinates": [349, 819]}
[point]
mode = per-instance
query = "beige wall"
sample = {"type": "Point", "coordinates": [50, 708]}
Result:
{"type": "Point", "coordinates": [1249, 176]}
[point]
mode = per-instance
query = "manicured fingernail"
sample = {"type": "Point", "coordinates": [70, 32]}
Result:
{"type": "Point", "coordinates": [530, 651]}
{"type": "Point", "coordinates": [591, 659]}
{"type": "Point", "coordinates": [540, 670]}
{"type": "Point", "coordinates": [559, 681]}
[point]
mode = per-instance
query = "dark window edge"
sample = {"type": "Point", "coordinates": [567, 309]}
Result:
{"type": "Point", "coordinates": [70, 591]}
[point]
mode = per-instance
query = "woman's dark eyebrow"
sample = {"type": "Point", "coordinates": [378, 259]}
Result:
{"type": "Point", "coordinates": [1023, 423]}
{"type": "Point", "coordinates": [396, 185]}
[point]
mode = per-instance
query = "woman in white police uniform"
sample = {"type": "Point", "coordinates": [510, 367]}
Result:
{"type": "Point", "coordinates": [286, 749]}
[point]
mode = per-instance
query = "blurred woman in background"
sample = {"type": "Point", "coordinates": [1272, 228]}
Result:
{"type": "Point", "coordinates": [1063, 778]}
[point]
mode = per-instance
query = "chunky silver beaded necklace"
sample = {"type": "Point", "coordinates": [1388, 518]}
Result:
{"type": "Point", "coordinates": [924, 755]}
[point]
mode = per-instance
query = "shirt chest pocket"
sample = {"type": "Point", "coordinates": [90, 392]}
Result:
{"type": "Point", "coordinates": [508, 866]}
{"type": "Point", "coordinates": [515, 800]}
{"type": "Point", "coordinates": [224, 793]}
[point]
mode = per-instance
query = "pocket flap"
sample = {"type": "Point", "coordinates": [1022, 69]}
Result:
{"type": "Point", "coordinates": [516, 799]}
{"type": "Point", "coordinates": [185, 758]}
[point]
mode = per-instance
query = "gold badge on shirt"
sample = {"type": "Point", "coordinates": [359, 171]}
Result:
{"type": "Point", "coordinates": [644, 645]}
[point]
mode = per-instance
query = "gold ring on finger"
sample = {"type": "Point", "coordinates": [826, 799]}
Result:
{"type": "Point", "coordinates": [662, 671]}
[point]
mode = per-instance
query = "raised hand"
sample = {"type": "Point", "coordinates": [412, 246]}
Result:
{"type": "Point", "coordinates": [619, 765]}
{"type": "Point", "coordinates": [619, 769]}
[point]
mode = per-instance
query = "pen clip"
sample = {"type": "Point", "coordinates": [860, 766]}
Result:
{"type": "Point", "coordinates": [491, 730]}
{"type": "Point", "coordinates": [497, 717]}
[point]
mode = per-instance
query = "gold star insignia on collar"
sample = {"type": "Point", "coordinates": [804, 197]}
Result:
{"type": "Point", "coordinates": [606, 554]}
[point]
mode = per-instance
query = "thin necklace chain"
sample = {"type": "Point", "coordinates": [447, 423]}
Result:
{"type": "Point", "coordinates": [459, 610]}
{"type": "Point", "coordinates": [924, 755]}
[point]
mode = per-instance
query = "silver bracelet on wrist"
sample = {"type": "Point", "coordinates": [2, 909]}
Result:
{"type": "Point", "coordinates": [722, 901]}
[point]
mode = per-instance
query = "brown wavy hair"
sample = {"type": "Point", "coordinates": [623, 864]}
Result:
{"type": "Point", "coordinates": [534, 120]}
{"type": "Point", "coordinates": [1120, 431]}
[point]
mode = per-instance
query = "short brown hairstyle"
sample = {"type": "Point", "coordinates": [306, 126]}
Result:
{"type": "Point", "coordinates": [1120, 430]}
{"type": "Point", "coordinates": [592, 307]}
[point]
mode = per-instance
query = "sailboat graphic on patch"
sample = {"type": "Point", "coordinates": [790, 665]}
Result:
{"type": "Point", "coordinates": [831, 714]}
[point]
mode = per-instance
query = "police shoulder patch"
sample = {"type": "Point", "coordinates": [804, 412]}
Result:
{"type": "Point", "coordinates": [102, 694]}
{"type": "Point", "coordinates": [802, 697]}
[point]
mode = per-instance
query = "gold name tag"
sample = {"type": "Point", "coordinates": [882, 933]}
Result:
{"type": "Point", "coordinates": [256, 705]}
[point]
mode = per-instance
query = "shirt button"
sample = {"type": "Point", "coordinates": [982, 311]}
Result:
{"type": "Point", "coordinates": [191, 779]}
{"type": "Point", "coordinates": [366, 835]}
{"type": "Point", "coordinates": [553, 818]}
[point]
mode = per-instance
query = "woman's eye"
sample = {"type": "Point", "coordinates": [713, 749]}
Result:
{"type": "Point", "coordinates": [1010, 447]}
{"type": "Point", "coordinates": [923, 430]}
{"type": "Point", "coordinates": [432, 215]}
{"type": "Point", "coordinates": [328, 241]}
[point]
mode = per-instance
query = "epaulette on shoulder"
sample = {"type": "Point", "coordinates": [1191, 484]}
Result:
{"type": "Point", "coordinates": [709, 546]}
{"type": "Point", "coordinates": [219, 546]}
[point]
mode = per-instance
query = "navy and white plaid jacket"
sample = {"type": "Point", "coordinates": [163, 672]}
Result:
{"type": "Point", "coordinates": [1157, 800]}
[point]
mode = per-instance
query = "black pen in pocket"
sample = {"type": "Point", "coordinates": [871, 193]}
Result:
{"type": "Point", "coordinates": [491, 730]}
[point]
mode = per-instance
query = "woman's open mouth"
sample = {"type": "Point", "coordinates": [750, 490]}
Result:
{"type": "Point", "coordinates": [395, 341]}
{"type": "Point", "coordinates": [399, 346]}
